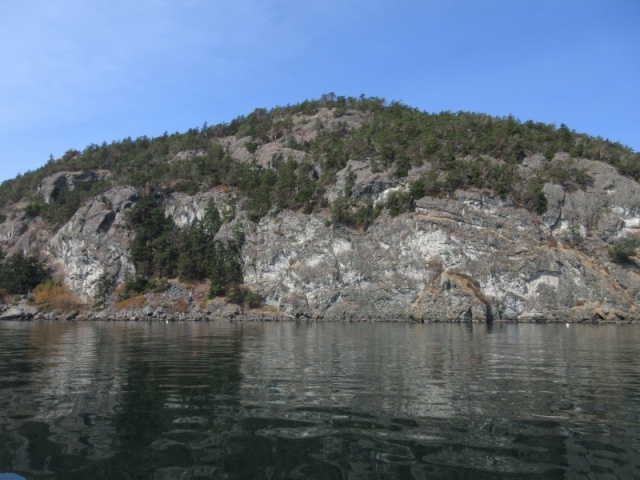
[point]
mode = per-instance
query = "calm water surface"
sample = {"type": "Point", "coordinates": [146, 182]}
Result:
{"type": "Point", "coordinates": [330, 401]}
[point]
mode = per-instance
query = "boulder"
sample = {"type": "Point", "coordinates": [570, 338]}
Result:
{"type": "Point", "coordinates": [19, 312]}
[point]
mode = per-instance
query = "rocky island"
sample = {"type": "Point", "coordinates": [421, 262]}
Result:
{"type": "Point", "coordinates": [333, 209]}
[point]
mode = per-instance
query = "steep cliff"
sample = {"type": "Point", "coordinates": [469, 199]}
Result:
{"type": "Point", "coordinates": [427, 240]}
{"type": "Point", "coordinates": [472, 257]}
{"type": "Point", "coordinates": [95, 242]}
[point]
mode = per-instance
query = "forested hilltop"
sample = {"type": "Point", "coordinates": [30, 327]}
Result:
{"type": "Point", "coordinates": [191, 206]}
{"type": "Point", "coordinates": [461, 150]}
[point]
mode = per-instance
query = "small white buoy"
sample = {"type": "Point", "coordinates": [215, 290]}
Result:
{"type": "Point", "coordinates": [567, 325]}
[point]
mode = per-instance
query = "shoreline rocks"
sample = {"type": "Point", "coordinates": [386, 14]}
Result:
{"type": "Point", "coordinates": [29, 313]}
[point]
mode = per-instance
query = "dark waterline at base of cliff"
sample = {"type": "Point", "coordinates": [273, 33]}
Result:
{"type": "Point", "coordinates": [17, 314]}
{"type": "Point", "coordinates": [328, 400]}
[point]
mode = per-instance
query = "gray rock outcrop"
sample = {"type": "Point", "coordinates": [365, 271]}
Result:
{"type": "Point", "coordinates": [448, 261]}
{"type": "Point", "coordinates": [19, 312]}
{"type": "Point", "coordinates": [51, 186]}
{"type": "Point", "coordinates": [472, 257]}
{"type": "Point", "coordinates": [95, 242]}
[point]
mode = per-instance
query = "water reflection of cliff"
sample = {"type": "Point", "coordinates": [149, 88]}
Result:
{"type": "Point", "coordinates": [69, 381]}
{"type": "Point", "coordinates": [330, 400]}
{"type": "Point", "coordinates": [114, 397]}
{"type": "Point", "coordinates": [512, 399]}
{"type": "Point", "coordinates": [396, 369]}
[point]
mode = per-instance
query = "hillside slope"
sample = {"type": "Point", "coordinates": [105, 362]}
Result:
{"type": "Point", "coordinates": [341, 209]}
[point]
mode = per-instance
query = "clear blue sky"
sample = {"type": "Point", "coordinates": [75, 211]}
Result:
{"type": "Point", "coordinates": [76, 72]}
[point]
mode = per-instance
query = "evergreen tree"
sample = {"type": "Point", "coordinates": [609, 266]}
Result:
{"type": "Point", "coordinates": [196, 245]}
{"type": "Point", "coordinates": [19, 274]}
{"type": "Point", "coordinates": [153, 249]}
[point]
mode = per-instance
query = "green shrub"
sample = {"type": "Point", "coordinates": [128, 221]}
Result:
{"type": "Point", "coordinates": [253, 299]}
{"type": "Point", "coordinates": [33, 209]}
{"type": "Point", "coordinates": [104, 288]}
{"type": "Point", "coordinates": [216, 290]}
{"type": "Point", "coordinates": [399, 202]}
{"type": "Point", "coordinates": [349, 182]}
{"type": "Point", "coordinates": [353, 213]}
{"type": "Point", "coordinates": [159, 285]}
{"type": "Point", "coordinates": [241, 295]}
{"type": "Point", "coordinates": [133, 286]}
{"type": "Point", "coordinates": [251, 147]}
{"type": "Point", "coordinates": [622, 251]}
{"type": "Point", "coordinates": [533, 198]}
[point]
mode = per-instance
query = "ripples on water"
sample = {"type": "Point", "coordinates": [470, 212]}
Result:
{"type": "Point", "coordinates": [221, 400]}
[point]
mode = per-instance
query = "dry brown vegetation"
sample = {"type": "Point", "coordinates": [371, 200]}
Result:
{"type": "Point", "coordinates": [131, 303]}
{"type": "Point", "coordinates": [55, 296]}
{"type": "Point", "coordinates": [469, 284]}
{"type": "Point", "coordinates": [179, 306]}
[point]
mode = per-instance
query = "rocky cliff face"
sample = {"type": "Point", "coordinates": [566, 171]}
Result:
{"type": "Point", "coordinates": [472, 257]}
{"type": "Point", "coordinates": [94, 242]}
{"type": "Point", "coordinates": [51, 186]}
{"type": "Point", "coordinates": [468, 259]}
